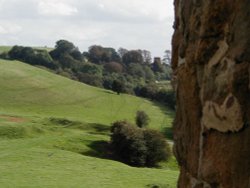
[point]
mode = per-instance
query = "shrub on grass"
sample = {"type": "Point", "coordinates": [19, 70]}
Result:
{"type": "Point", "coordinates": [118, 86]}
{"type": "Point", "coordinates": [141, 119]}
{"type": "Point", "coordinates": [138, 147]}
{"type": "Point", "coordinates": [128, 143]}
{"type": "Point", "coordinates": [157, 147]}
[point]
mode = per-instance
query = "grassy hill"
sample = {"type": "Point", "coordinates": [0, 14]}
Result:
{"type": "Point", "coordinates": [53, 132]}
{"type": "Point", "coordinates": [8, 48]}
{"type": "Point", "coordinates": [5, 49]}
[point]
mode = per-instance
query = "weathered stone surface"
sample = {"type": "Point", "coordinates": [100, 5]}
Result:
{"type": "Point", "coordinates": [224, 118]}
{"type": "Point", "coordinates": [211, 63]}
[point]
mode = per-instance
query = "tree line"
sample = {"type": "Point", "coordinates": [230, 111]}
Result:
{"type": "Point", "coordinates": [122, 70]}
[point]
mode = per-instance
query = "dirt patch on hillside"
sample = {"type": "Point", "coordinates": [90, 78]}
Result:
{"type": "Point", "coordinates": [14, 119]}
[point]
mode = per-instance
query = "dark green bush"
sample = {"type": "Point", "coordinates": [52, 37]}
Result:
{"type": "Point", "coordinates": [90, 79]}
{"type": "Point", "coordinates": [156, 93]}
{"type": "Point", "coordinates": [141, 119]}
{"type": "Point", "coordinates": [32, 56]}
{"type": "Point", "coordinates": [138, 147]}
{"type": "Point", "coordinates": [157, 147]}
{"type": "Point", "coordinates": [118, 86]}
{"type": "Point", "coordinates": [128, 143]}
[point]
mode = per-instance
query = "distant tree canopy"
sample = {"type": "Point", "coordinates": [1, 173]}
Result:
{"type": "Point", "coordinates": [133, 56]}
{"type": "Point", "coordinates": [122, 52]}
{"type": "Point", "coordinates": [123, 71]}
{"type": "Point", "coordinates": [32, 56]}
{"type": "Point", "coordinates": [157, 65]}
{"type": "Point", "coordinates": [113, 67]}
{"type": "Point", "coordinates": [65, 48]}
{"type": "Point", "coordinates": [136, 70]}
{"type": "Point", "coordinates": [146, 56]}
{"type": "Point", "coordinates": [101, 55]}
{"type": "Point", "coordinates": [167, 57]}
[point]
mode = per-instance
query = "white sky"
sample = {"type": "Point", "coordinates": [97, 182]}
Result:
{"type": "Point", "coordinates": [131, 24]}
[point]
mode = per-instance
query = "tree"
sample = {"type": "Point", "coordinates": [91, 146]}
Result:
{"type": "Point", "coordinates": [157, 65]}
{"type": "Point", "coordinates": [95, 54]}
{"type": "Point", "coordinates": [113, 67]}
{"type": "Point", "coordinates": [90, 68]}
{"type": "Point", "coordinates": [42, 57]}
{"type": "Point", "coordinates": [16, 52]}
{"type": "Point", "coordinates": [28, 55]}
{"type": "Point", "coordinates": [90, 79]}
{"type": "Point", "coordinates": [86, 56]}
{"type": "Point", "coordinates": [132, 56]}
{"type": "Point", "coordinates": [112, 55]}
{"type": "Point", "coordinates": [148, 91]}
{"type": "Point", "coordinates": [136, 70]}
{"type": "Point", "coordinates": [67, 61]}
{"type": "Point", "coordinates": [122, 52]}
{"type": "Point", "coordinates": [149, 74]}
{"type": "Point", "coordinates": [76, 54]}
{"type": "Point", "coordinates": [118, 86]}
{"type": "Point", "coordinates": [167, 57]}
{"type": "Point", "coordinates": [32, 56]}
{"type": "Point", "coordinates": [141, 119]}
{"type": "Point", "coordinates": [101, 55]}
{"type": "Point", "coordinates": [167, 97]}
{"type": "Point", "coordinates": [146, 55]}
{"type": "Point", "coordinates": [64, 47]}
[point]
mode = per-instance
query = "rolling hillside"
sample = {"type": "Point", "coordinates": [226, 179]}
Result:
{"type": "Point", "coordinates": [53, 131]}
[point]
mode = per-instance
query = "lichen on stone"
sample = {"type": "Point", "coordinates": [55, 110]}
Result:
{"type": "Point", "coordinates": [225, 117]}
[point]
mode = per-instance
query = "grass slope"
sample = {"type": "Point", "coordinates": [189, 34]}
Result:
{"type": "Point", "coordinates": [26, 90]}
{"type": "Point", "coordinates": [8, 48]}
{"type": "Point", "coordinates": [5, 48]}
{"type": "Point", "coordinates": [53, 132]}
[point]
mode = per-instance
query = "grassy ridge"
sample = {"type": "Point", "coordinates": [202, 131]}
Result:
{"type": "Point", "coordinates": [53, 132]}
{"type": "Point", "coordinates": [8, 48]}
{"type": "Point", "coordinates": [26, 90]}
{"type": "Point", "coordinates": [5, 48]}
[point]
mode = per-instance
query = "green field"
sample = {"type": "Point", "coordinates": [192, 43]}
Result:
{"type": "Point", "coordinates": [53, 132]}
{"type": "Point", "coordinates": [5, 48]}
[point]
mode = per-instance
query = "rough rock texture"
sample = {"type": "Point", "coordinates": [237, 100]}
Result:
{"type": "Point", "coordinates": [211, 63]}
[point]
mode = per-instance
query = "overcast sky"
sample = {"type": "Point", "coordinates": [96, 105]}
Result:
{"type": "Point", "coordinates": [131, 24]}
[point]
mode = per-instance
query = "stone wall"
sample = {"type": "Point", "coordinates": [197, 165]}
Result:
{"type": "Point", "coordinates": [211, 63]}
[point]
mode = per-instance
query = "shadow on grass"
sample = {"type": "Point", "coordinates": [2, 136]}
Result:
{"type": "Point", "coordinates": [92, 128]}
{"type": "Point", "coordinates": [109, 92]}
{"type": "Point", "coordinates": [99, 128]}
{"type": "Point", "coordinates": [100, 149]}
{"type": "Point", "coordinates": [167, 129]}
{"type": "Point", "coordinates": [157, 186]}
{"type": "Point", "coordinates": [168, 132]}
